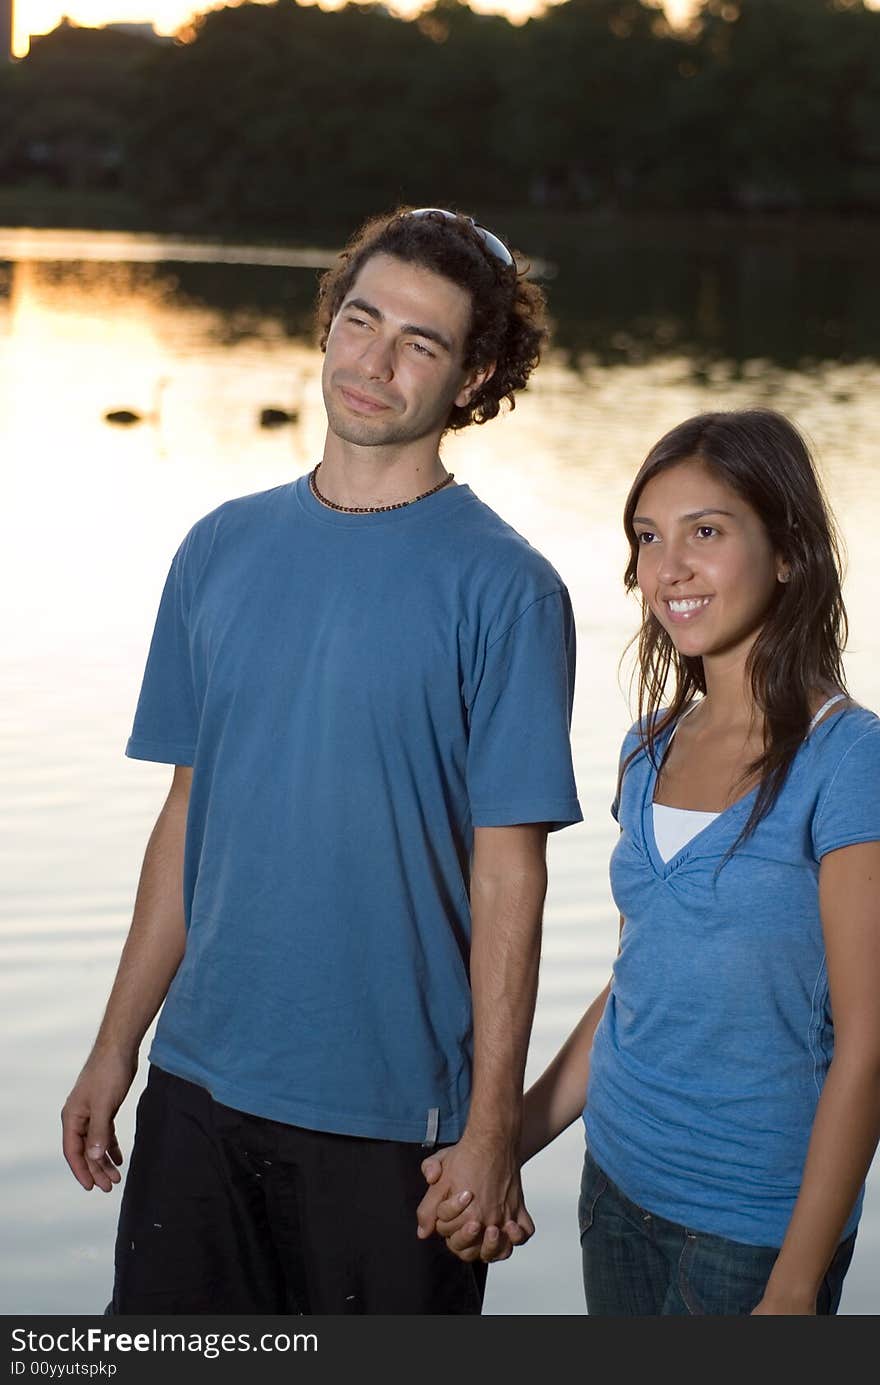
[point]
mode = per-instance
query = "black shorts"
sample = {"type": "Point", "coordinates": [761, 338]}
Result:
{"type": "Point", "coordinates": [224, 1212]}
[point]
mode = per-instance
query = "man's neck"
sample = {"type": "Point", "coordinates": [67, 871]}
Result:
{"type": "Point", "coordinates": [351, 475]}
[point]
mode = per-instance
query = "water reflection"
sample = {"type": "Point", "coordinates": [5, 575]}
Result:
{"type": "Point", "coordinates": [792, 308]}
{"type": "Point", "coordinates": [792, 297]}
{"type": "Point", "coordinates": [792, 300]}
{"type": "Point", "coordinates": [251, 302]}
{"type": "Point", "coordinates": [774, 304]}
{"type": "Point", "coordinates": [5, 291]}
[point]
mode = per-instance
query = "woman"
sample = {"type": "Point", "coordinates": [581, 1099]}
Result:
{"type": "Point", "coordinates": [733, 1059]}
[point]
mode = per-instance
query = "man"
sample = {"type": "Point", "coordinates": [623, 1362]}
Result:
{"type": "Point", "coordinates": [363, 680]}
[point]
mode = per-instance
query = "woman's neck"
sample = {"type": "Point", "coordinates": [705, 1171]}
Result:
{"type": "Point", "coordinates": [730, 701]}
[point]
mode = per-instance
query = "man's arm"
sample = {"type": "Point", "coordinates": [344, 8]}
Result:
{"type": "Point", "coordinates": [508, 885]}
{"type": "Point", "coordinates": [550, 1106]}
{"type": "Point", "coordinates": [151, 956]}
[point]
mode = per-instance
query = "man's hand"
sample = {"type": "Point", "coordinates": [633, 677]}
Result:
{"type": "Point", "coordinates": [475, 1201]}
{"type": "Point", "coordinates": [508, 882]}
{"type": "Point", "coordinates": [88, 1136]}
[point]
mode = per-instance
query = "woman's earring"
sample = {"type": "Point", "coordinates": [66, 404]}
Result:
{"type": "Point", "coordinates": [783, 574]}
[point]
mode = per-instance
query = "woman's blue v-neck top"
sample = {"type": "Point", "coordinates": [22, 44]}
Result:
{"type": "Point", "coordinates": [709, 1060]}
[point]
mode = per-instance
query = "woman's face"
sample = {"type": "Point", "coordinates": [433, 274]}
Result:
{"type": "Point", "coordinates": [706, 566]}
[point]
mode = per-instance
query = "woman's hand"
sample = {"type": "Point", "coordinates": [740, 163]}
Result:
{"type": "Point", "coordinates": [777, 1306]}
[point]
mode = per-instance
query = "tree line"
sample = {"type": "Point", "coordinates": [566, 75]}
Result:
{"type": "Point", "coordinates": [279, 118]}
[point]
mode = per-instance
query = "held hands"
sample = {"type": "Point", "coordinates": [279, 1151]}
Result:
{"type": "Point", "coordinates": [475, 1201]}
{"type": "Point", "coordinates": [88, 1135]}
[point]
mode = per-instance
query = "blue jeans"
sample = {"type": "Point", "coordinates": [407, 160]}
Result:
{"type": "Point", "coordinates": [638, 1264]}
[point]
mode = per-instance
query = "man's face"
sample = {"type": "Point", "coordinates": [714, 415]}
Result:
{"type": "Point", "coordinates": [393, 362]}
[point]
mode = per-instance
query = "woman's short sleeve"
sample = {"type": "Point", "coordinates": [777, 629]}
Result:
{"type": "Point", "coordinates": [849, 809]}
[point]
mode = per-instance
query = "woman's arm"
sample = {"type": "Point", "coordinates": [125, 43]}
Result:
{"type": "Point", "coordinates": [557, 1098]}
{"type": "Point", "coordinates": [846, 1128]}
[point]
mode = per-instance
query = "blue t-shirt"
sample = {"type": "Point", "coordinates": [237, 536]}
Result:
{"type": "Point", "coordinates": [709, 1060]}
{"type": "Point", "coordinates": [355, 694]}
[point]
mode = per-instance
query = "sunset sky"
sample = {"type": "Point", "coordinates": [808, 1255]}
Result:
{"type": "Point", "coordinates": [39, 16]}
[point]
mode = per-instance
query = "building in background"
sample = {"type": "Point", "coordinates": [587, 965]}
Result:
{"type": "Point", "coordinates": [6, 17]}
{"type": "Point", "coordinates": [144, 30]}
{"type": "Point", "coordinates": [65, 27]}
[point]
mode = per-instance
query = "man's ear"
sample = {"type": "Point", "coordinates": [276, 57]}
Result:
{"type": "Point", "coordinates": [473, 382]}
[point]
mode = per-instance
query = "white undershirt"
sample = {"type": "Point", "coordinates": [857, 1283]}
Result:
{"type": "Point", "coordinates": [675, 827]}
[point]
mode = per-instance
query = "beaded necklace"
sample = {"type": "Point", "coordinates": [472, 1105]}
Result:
{"type": "Point", "coordinates": [372, 509]}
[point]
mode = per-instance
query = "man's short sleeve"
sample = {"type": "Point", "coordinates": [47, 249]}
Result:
{"type": "Point", "coordinates": [519, 767]}
{"type": "Point", "coordinates": [166, 720]}
{"type": "Point", "coordinates": [849, 810]}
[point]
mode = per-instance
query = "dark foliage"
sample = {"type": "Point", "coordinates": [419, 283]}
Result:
{"type": "Point", "coordinates": [285, 119]}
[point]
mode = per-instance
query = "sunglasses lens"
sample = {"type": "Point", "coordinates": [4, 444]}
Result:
{"type": "Point", "coordinates": [492, 243]}
{"type": "Point", "coordinates": [498, 248]}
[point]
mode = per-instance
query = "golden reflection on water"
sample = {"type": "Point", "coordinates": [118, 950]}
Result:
{"type": "Point", "coordinates": [91, 518]}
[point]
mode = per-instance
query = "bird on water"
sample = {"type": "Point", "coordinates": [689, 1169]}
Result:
{"type": "Point", "coordinates": [125, 417]}
{"type": "Point", "coordinates": [272, 417]}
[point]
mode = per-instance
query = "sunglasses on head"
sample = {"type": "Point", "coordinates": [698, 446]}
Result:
{"type": "Point", "coordinates": [492, 243]}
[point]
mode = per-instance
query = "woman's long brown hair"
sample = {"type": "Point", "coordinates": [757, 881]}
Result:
{"type": "Point", "coordinates": [761, 455]}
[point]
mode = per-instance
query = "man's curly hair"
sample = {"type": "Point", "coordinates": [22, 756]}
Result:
{"type": "Point", "coordinates": [508, 315]}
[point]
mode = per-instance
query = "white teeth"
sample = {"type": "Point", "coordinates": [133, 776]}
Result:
{"type": "Point", "coordinates": [679, 607]}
